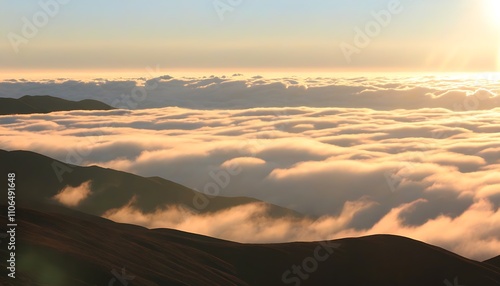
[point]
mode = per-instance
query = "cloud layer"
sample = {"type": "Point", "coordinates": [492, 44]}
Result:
{"type": "Point", "coordinates": [454, 92]}
{"type": "Point", "coordinates": [430, 174]}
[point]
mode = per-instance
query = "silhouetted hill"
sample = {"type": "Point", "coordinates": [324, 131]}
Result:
{"type": "Point", "coordinates": [60, 247]}
{"type": "Point", "coordinates": [38, 180]}
{"type": "Point", "coordinates": [494, 261]}
{"type": "Point", "coordinates": [45, 104]}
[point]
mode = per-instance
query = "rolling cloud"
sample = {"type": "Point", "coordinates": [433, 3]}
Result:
{"type": "Point", "coordinates": [425, 171]}
{"type": "Point", "coordinates": [478, 91]}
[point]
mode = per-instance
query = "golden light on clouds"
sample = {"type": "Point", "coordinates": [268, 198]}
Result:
{"type": "Point", "coordinates": [73, 196]}
{"type": "Point", "coordinates": [422, 37]}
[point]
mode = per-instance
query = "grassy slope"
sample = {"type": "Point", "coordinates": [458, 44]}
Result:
{"type": "Point", "coordinates": [80, 249]}
{"type": "Point", "coordinates": [37, 181]}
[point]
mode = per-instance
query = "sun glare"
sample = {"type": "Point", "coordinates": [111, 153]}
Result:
{"type": "Point", "coordinates": [492, 10]}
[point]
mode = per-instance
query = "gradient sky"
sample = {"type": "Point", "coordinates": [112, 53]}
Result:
{"type": "Point", "coordinates": [286, 35]}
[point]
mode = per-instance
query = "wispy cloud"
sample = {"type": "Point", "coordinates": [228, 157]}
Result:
{"type": "Point", "coordinates": [73, 196]}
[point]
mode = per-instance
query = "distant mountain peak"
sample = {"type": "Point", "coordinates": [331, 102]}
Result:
{"type": "Point", "coordinates": [30, 104]}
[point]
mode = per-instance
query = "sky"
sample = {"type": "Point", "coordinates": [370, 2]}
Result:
{"type": "Point", "coordinates": [240, 35]}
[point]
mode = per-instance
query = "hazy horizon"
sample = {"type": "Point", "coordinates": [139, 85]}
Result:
{"type": "Point", "coordinates": [399, 35]}
{"type": "Point", "coordinates": [359, 117]}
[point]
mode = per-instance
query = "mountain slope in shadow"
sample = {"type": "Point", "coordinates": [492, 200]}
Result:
{"type": "Point", "coordinates": [41, 178]}
{"type": "Point", "coordinates": [59, 247]}
{"type": "Point", "coordinates": [45, 104]}
{"type": "Point", "coordinates": [495, 261]}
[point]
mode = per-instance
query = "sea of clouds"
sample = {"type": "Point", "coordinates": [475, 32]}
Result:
{"type": "Point", "coordinates": [455, 92]}
{"type": "Point", "coordinates": [414, 156]}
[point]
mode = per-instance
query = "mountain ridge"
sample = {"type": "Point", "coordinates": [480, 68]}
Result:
{"type": "Point", "coordinates": [30, 104]}
{"type": "Point", "coordinates": [495, 261]}
{"type": "Point", "coordinates": [111, 189]}
{"type": "Point", "coordinates": [83, 249]}
{"type": "Point", "coordinates": [79, 247]}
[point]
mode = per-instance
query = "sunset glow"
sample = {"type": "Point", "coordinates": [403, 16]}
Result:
{"type": "Point", "coordinates": [250, 142]}
{"type": "Point", "coordinates": [492, 10]}
{"type": "Point", "coordinates": [422, 36]}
